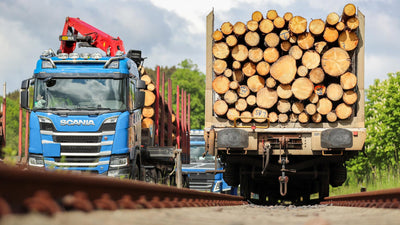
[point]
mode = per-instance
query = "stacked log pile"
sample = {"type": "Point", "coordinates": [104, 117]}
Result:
{"type": "Point", "coordinates": [276, 68]}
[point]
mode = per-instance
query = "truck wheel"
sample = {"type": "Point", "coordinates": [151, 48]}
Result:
{"type": "Point", "coordinates": [324, 183]}
{"type": "Point", "coordinates": [231, 175]}
{"type": "Point", "coordinates": [338, 175]}
{"type": "Point", "coordinates": [245, 184]}
{"type": "Point", "coordinates": [135, 174]}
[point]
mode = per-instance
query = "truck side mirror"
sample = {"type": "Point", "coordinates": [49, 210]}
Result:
{"type": "Point", "coordinates": [24, 94]}
{"type": "Point", "coordinates": [139, 99]}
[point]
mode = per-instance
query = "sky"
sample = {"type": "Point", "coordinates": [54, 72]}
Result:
{"type": "Point", "coordinates": [169, 31]}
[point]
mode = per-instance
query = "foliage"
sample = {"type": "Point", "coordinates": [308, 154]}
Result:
{"type": "Point", "coordinates": [163, 69]}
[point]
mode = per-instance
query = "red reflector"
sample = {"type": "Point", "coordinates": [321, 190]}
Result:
{"type": "Point", "coordinates": [253, 127]}
{"type": "Point", "coordinates": [355, 133]}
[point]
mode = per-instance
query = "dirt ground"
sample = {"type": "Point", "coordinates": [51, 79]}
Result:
{"type": "Point", "coordinates": [235, 215]}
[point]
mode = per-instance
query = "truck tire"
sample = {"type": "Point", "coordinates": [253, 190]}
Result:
{"type": "Point", "coordinates": [338, 175]}
{"type": "Point", "coordinates": [231, 175]}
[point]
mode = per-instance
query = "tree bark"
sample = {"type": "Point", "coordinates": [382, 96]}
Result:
{"type": "Point", "coordinates": [324, 106]}
{"type": "Point", "coordinates": [220, 107]}
{"type": "Point", "coordinates": [259, 112]}
{"type": "Point", "coordinates": [284, 69]}
{"type": "Point", "coordinates": [298, 25]}
{"type": "Point", "coordinates": [335, 61]}
{"type": "Point", "coordinates": [302, 88]}
{"type": "Point", "coordinates": [221, 84]}
{"type": "Point", "coordinates": [266, 98]}
{"type": "Point", "coordinates": [252, 38]}
{"type": "Point", "coordinates": [230, 97]}
{"type": "Point", "coordinates": [255, 83]}
{"type": "Point", "coordinates": [284, 91]}
{"type": "Point", "coordinates": [343, 111]}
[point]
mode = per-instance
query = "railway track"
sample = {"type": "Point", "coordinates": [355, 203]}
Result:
{"type": "Point", "coordinates": [49, 192]}
{"type": "Point", "coordinates": [389, 198]}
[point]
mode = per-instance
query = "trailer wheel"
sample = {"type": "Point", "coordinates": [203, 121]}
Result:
{"type": "Point", "coordinates": [338, 175]}
{"type": "Point", "coordinates": [324, 183]}
{"type": "Point", "coordinates": [231, 175]}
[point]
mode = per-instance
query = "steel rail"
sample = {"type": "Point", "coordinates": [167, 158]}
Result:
{"type": "Point", "coordinates": [26, 190]}
{"type": "Point", "coordinates": [389, 198]}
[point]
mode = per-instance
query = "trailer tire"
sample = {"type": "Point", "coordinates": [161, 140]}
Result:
{"type": "Point", "coordinates": [231, 175]}
{"type": "Point", "coordinates": [338, 175]}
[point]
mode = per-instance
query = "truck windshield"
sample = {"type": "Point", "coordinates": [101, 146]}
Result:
{"type": "Point", "coordinates": [80, 94]}
{"type": "Point", "coordinates": [196, 154]}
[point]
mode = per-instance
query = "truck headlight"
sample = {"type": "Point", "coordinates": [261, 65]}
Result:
{"type": "Point", "coordinates": [217, 186]}
{"type": "Point", "coordinates": [35, 160]}
{"type": "Point", "coordinates": [119, 160]}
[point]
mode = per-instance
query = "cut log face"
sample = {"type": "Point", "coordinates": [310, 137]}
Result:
{"type": "Point", "coordinates": [284, 69]}
{"type": "Point", "coordinates": [314, 98]}
{"type": "Point", "coordinates": [271, 55]}
{"type": "Point", "coordinates": [249, 69]}
{"type": "Point", "coordinates": [284, 35]}
{"type": "Point", "coordinates": [234, 85]}
{"type": "Point", "coordinates": [293, 118]}
{"type": "Point", "coordinates": [221, 84]}
{"type": "Point", "coordinates": [252, 25]}
{"type": "Point", "coordinates": [255, 83]}
{"type": "Point", "coordinates": [305, 41]}
{"type": "Point", "coordinates": [226, 28]}
{"type": "Point", "coordinates": [271, 82]}
{"type": "Point", "coordinates": [340, 26]}
{"type": "Point", "coordinates": [266, 26]}
{"type": "Point", "coordinates": [272, 14]}
{"type": "Point", "coordinates": [298, 25]}
{"type": "Point", "coordinates": [149, 98]}
{"type": "Point", "coordinates": [148, 112]}
{"type": "Point", "coordinates": [217, 35]}
{"type": "Point", "coordinates": [343, 111]}
{"type": "Point", "coordinates": [350, 97]}
{"type": "Point", "coordinates": [332, 18]}
{"type": "Point", "coordinates": [320, 46]}
{"type": "Point", "coordinates": [262, 113]}
{"type": "Point", "coordinates": [245, 114]}
{"type": "Point", "coordinates": [283, 106]}
{"type": "Point", "coordinates": [146, 78]}
{"type": "Point", "coordinates": [273, 117]}
{"type": "Point", "coordinates": [236, 65]}
{"type": "Point", "coordinates": [297, 107]}
{"type": "Point", "coordinates": [279, 22]}
{"type": "Point", "coordinates": [311, 59]}
{"type": "Point", "coordinates": [151, 87]}
{"type": "Point", "coordinates": [317, 26]}
{"type": "Point", "coordinates": [288, 16]}
{"type": "Point", "coordinates": [302, 88]}
{"type": "Point", "coordinates": [241, 104]}
{"type": "Point", "coordinates": [283, 118]}
{"type": "Point", "coordinates": [240, 53]}
{"type": "Point", "coordinates": [231, 40]}
{"type": "Point", "coordinates": [219, 66]}
{"type": "Point", "coordinates": [228, 73]}
{"type": "Point", "coordinates": [238, 75]}
{"type": "Point", "coordinates": [230, 97]}
{"type": "Point", "coordinates": [302, 71]}
{"type": "Point", "coordinates": [334, 92]}
{"type": "Point", "coordinates": [352, 23]}
{"type": "Point", "coordinates": [256, 55]}
{"type": "Point", "coordinates": [147, 123]}
{"type": "Point", "coordinates": [262, 68]}
{"type": "Point", "coordinates": [285, 46]}
{"type": "Point", "coordinates": [243, 91]}
{"type": "Point", "coordinates": [303, 117]}
{"type": "Point", "coordinates": [257, 16]}
{"type": "Point", "coordinates": [317, 75]}
{"type": "Point", "coordinates": [266, 98]}
{"type": "Point", "coordinates": [220, 50]}
{"type": "Point", "coordinates": [335, 61]}
{"type": "Point", "coordinates": [296, 52]}
{"type": "Point", "coordinates": [232, 114]}
{"type": "Point", "coordinates": [251, 100]}
{"type": "Point", "coordinates": [324, 106]}
{"type": "Point", "coordinates": [316, 118]}
{"type": "Point", "coordinates": [271, 40]}
{"type": "Point", "coordinates": [331, 34]}
{"type": "Point", "coordinates": [348, 40]}
{"type": "Point", "coordinates": [252, 38]}
{"type": "Point", "coordinates": [239, 28]}
{"type": "Point", "coordinates": [349, 10]}
{"type": "Point", "coordinates": [311, 109]}
{"type": "Point", "coordinates": [331, 117]}
{"type": "Point", "coordinates": [284, 91]}
{"type": "Point", "coordinates": [348, 81]}
{"type": "Point", "coordinates": [220, 107]}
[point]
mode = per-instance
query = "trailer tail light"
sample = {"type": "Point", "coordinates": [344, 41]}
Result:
{"type": "Point", "coordinates": [355, 133]}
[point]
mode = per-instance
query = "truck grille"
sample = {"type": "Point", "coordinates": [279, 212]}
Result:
{"type": "Point", "coordinates": [80, 149]}
{"type": "Point", "coordinates": [72, 159]}
{"type": "Point", "coordinates": [77, 139]}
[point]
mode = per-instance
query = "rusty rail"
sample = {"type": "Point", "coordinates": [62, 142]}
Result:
{"type": "Point", "coordinates": [389, 198]}
{"type": "Point", "coordinates": [49, 192]}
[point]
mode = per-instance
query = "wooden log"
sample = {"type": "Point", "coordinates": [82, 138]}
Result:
{"type": "Point", "coordinates": [302, 88]}
{"type": "Point", "coordinates": [220, 107]}
{"type": "Point", "coordinates": [310, 109]}
{"type": "Point", "coordinates": [147, 123]}
{"type": "Point", "coordinates": [256, 55]}
{"type": "Point", "coordinates": [331, 117]}
{"type": "Point", "coordinates": [305, 41]}
{"type": "Point", "coordinates": [219, 66]}
{"type": "Point", "coordinates": [234, 85]}
{"type": "Point", "coordinates": [148, 112]}
{"type": "Point", "coordinates": [266, 98]}
{"type": "Point", "coordinates": [285, 46]}
{"type": "Point", "coordinates": [271, 40]}
{"type": "Point", "coordinates": [296, 52]}
{"type": "Point", "coordinates": [331, 34]}
{"type": "Point", "coordinates": [293, 39]}
{"type": "Point", "coordinates": [232, 114]}
{"type": "Point", "coordinates": [236, 65]}
{"type": "Point", "coordinates": [241, 104]}
{"type": "Point", "coordinates": [352, 23]}
{"type": "Point", "coordinates": [340, 26]}
{"type": "Point", "coordinates": [273, 117]}
{"type": "Point", "coordinates": [317, 75]}
{"type": "Point", "coordinates": [283, 106]}
{"type": "Point", "coordinates": [298, 25]}
{"type": "Point", "coordinates": [320, 46]}
{"type": "Point", "coordinates": [230, 97]}
{"type": "Point", "coordinates": [279, 22]}
{"type": "Point", "coordinates": [311, 59]}
{"type": "Point", "coordinates": [272, 14]}
{"type": "Point", "coordinates": [316, 27]}
{"type": "Point", "coordinates": [221, 84]}
{"type": "Point", "coordinates": [284, 35]}
{"type": "Point", "coordinates": [293, 118]}
{"type": "Point", "coordinates": [349, 10]}
{"type": "Point", "coordinates": [245, 114]}
{"type": "Point", "coordinates": [243, 91]}
{"type": "Point", "coordinates": [266, 26]}
{"type": "Point", "coordinates": [303, 117]}
{"type": "Point", "coordinates": [263, 68]}
{"type": "Point", "coordinates": [249, 69]}
{"type": "Point", "coordinates": [350, 97]}
{"type": "Point", "coordinates": [151, 87]}
{"type": "Point", "coordinates": [348, 81]}
{"type": "Point", "coordinates": [284, 91]}
{"type": "Point", "coordinates": [146, 78]}
{"type": "Point", "coordinates": [283, 118]}
{"type": "Point", "coordinates": [252, 38]}
{"type": "Point", "coordinates": [231, 40]}
{"type": "Point", "coordinates": [334, 92]}
{"type": "Point", "coordinates": [255, 83]}
{"type": "Point", "coordinates": [348, 40]}
{"type": "Point", "coordinates": [297, 107]}
{"type": "Point", "coordinates": [262, 113]}
{"type": "Point", "coordinates": [228, 73]}
{"type": "Point", "coordinates": [217, 35]}
{"type": "Point", "coordinates": [287, 16]}
{"type": "Point", "coordinates": [332, 19]}
{"type": "Point", "coordinates": [343, 111]}
{"type": "Point", "coordinates": [239, 28]}
{"type": "Point", "coordinates": [238, 75]}
{"type": "Point", "coordinates": [316, 118]}
{"type": "Point", "coordinates": [251, 100]}
{"type": "Point", "coordinates": [314, 98]}
{"type": "Point", "coordinates": [335, 61]}
{"type": "Point", "coordinates": [284, 69]}
{"type": "Point", "coordinates": [324, 106]}
{"type": "Point", "coordinates": [149, 98]}
{"type": "Point", "coordinates": [271, 55]}
{"type": "Point", "coordinates": [270, 82]}
{"type": "Point", "coordinates": [220, 50]}
{"type": "Point", "coordinates": [226, 28]}
{"type": "Point", "coordinates": [252, 25]}
{"type": "Point", "coordinates": [302, 71]}
{"type": "Point", "coordinates": [240, 53]}
{"type": "Point", "coordinates": [257, 16]}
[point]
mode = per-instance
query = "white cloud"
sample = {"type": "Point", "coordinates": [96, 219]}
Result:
{"type": "Point", "coordinates": [377, 66]}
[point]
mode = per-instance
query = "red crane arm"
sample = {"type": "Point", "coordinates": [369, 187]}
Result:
{"type": "Point", "coordinates": [93, 36]}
